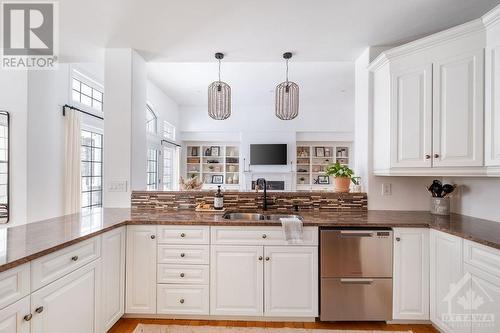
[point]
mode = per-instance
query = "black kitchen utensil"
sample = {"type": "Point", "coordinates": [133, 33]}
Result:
{"type": "Point", "coordinates": [447, 189]}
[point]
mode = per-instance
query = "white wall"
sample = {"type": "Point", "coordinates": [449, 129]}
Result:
{"type": "Point", "coordinates": [13, 98]}
{"type": "Point", "coordinates": [478, 197]}
{"type": "Point", "coordinates": [164, 107]}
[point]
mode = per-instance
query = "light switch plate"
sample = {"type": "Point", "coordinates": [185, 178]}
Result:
{"type": "Point", "coordinates": [117, 186]}
{"type": "Point", "coordinates": [386, 189]}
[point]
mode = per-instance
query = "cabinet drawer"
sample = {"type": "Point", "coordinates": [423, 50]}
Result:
{"type": "Point", "coordinates": [51, 267]}
{"type": "Point", "coordinates": [14, 284]}
{"type": "Point", "coordinates": [183, 299]}
{"type": "Point", "coordinates": [258, 236]}
{"type": "Point", "coordinates": [189, 254]}
{"type": "Point", "coordinates": [183, 274]}
{"type": "Point", "coordinates": [482, 257]}
{"type": "Point", "coordinates": [183, 235]}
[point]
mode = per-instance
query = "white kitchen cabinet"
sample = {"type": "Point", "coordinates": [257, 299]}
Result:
{"type": "Point", "coordinates": [290, 281]}
{"type": "Point", "coordinates": [446, 268]}
{"type": "Point", "coordinates": [458, 112]}
{"type": "Point", "coordinates": [113, 276]}
{"type": "Point", "coordinates": [141, 269]}
{"type": "Point", "coordinates": [16, 317]}
{"type": "Point", "coordinates": [236, 280]}
{"type": "Point", "coordinates": [411, 119]}
{"type": "Point", "coordinates": [69, 304]}
{"type": "Point", "coordinates": [485, 307]}
{"type": "Point", "coordinates": [411, 274]}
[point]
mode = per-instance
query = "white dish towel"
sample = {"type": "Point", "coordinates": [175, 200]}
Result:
{"type": "Point", "coordinates": [293, 230]}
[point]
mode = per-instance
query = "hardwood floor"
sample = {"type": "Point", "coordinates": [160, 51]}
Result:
{"type": "Point", "coordinates": [128, 325]}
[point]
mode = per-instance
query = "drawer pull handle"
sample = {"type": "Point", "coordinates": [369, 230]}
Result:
{"type": "Point", "coordinates": [436, 155]}
{"type": "Point", "coordinates": [183, 235]}
{"type": "Point", "coordinates": [153, 236]}
{"type": "Point", "coordinates": [39, 309]}
{"type": "Point", "coordinates": [182, 274]}
{"type": "Point", "coordinates": [267, 258]}
{"type": "Point", "coordinates": [264, 236]}
{"type": "Point", "coordinates": [260, 258]}
{"type": "Point", "coordinates": [74, 258]}
{"type": "Point", "coordinates": [183, 255]}
{"type": "Point", "coordinates": [28, 317]}
{"type": "Point", "coordinates": [181, 301]}
{"type": "Point", "coordinates": [427, 157]}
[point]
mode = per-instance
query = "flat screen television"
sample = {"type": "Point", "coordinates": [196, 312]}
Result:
{"type": "Point", "coordinates": [268, 154]}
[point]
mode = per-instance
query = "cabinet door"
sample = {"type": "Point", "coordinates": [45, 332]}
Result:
{"type": "Point", "coordinates": [291, 281]}
{"type": "Point", "coordinates": [458, 111]}
{"type": "Point", "coordinates": [446, 268]}
{"type": "Point", "coordinates": [236, 280]}
{"type": "Point", "coordinates": [70, 304]}
{"type": "Point", "coordinates": [411, 118]}
{"type": "Point", "coordinates": [492, 107]}
{"type": "Point", "coordinates": [13, 318]}
{"type": "Point", "coordinates": [113, 276]}
{"type": "Point", "coordinates": [141, 269]}
{"type": "Point", "coordinates": [411, 274]}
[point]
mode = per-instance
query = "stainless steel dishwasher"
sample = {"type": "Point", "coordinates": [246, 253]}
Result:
{"type": "Point", "coordinates": [356, 274]}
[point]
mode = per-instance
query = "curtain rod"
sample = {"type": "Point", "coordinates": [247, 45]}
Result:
{"type": "Point", "coordinates": [171, 142]}
{"type": "Point", "coordinates": [79, 110]}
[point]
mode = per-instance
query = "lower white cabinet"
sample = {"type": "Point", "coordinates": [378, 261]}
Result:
{"type": "Point", "coordinates": [70, 304]}
{"type": "Point", "coordinates": [141, 269]}
{"type": "Point", "coordinates": [485, 291]}
{"type": "Point", "coordinates": [236, 280]}
{"type": "Point", "coordinates": [290, 281]}
{"type": "Point", "coordinates": [16, 317]}
{"type": "Point", "coordinates": [411, 274]}
{"type": "Point", "coordinates": [113, 277]}
{"type": "Point", "coordinates": [183, 299]}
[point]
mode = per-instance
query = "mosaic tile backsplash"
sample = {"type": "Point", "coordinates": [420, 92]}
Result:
{"type": "Point", "coordinates": [175, 200]}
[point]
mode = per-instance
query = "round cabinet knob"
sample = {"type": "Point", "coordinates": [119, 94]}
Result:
{"type": "Point", "coordinates": [183, 255]}
{"type": "Point", "coordinates": [427, 157]}
{"type": "Point", "coordinates": [264, 236]}
{"type": "Point", "coordinates": [28, 317]}
{"type": "Point", "coordinates": [181, 301]}
{"type": "Point", "coordinates": [267, 258]}
{"type": "Point", "coordinates": [260, 258]}
{"type": "Point", "coordinates": [436, 155]}
{"type": "Point", "coordinates": [39, 309]}
{"type": "Point", "coordinates": [74, 258]}
{"type": "Point", "coordinates": [182, 274]}
{"type": "Point", "coordinates": [398, 239]}
{"type": "Point", "coordinates": [183, 235]}
{"type": "Point", "coordinates": [153, 236]}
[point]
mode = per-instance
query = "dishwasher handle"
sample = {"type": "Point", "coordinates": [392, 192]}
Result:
{"type": "Point", "coordinates": [357, 233]}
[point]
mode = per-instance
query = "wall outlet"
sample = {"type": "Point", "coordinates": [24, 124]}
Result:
{"type": "Point", "coordinates": [117, 186]}
{"type": "Point", "coordinates": [386, 189]}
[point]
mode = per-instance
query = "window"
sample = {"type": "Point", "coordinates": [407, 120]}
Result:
{"type": "Point", "coordinates": [87, 95]}
{"type": "Point", "coordinates": [168, 131]}
{"type": "Point", "coordinates": [91, 159]}
{"type": "Point", "coordinates": [152, 169]}
{"type": "Point", "coordinates": [151, 120]}
{"type": "Point", "coordinates": [168, 168]}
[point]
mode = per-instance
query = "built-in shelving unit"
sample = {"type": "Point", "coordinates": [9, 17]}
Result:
{"type": "Point", "coordinates": [313, 159]}
{"type": "Point", "coordinates": [213, 164]}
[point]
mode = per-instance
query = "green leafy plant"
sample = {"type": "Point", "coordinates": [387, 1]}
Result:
{"type": "Point", "coordinates": [338, 170]}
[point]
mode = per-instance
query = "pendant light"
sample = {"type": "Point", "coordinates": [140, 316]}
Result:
{"type": "Point", "coordinates": [287, 96]}
{"type": "Point", "coordinates": [219, 96]}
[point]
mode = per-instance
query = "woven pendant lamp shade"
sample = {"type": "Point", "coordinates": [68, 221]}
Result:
{"type": "Point", "coordinates": [287, 96]}
{"type": "Point", "coordinates": [219, 97]}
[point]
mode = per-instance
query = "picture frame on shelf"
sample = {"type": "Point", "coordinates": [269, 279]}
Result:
{"type": "Point", "coordinates": [194, 151]}
{"type": "Point", "coordinates": [217, 179]}
{"type": "Point", "coordinates": [215, 151]}
{"type": "Point", "coordinates": [319, 151]}
{"type": "Point", "coordinates": [208, 152]}
{"type": "Point", "coordinates": [323, 180]}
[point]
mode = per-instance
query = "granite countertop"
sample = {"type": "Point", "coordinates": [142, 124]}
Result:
{"type": "Point", "coordinates": [24, 243]}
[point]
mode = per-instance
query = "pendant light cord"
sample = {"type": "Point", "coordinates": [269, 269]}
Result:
{"type": "Point", "coordinates": [287, 71]}
{"type": "Point", "coordinates": [219, 70]}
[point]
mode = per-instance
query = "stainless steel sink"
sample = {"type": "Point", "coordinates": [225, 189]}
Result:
{"type": "Point", "coordinates": [258, 217]}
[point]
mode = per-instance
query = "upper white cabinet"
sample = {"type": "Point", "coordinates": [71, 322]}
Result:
{"type": "Point", "coordinates": [411, 274]}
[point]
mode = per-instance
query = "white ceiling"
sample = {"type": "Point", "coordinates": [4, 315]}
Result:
{"type": "Point", "coordinates": [252, 84]}
{"type": "Point", "coordinates": [257, 30]}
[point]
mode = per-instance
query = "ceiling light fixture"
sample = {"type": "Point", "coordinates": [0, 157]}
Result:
{"type": "Point", "coordinates": [287, 96]}
{"type": "Point", "coordinates": [219, 96]}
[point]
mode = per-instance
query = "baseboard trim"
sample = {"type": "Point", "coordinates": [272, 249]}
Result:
{"type": "Point", "coordinates": [229, 318]}
{"type": "Point", "coordinates": [409, 322]}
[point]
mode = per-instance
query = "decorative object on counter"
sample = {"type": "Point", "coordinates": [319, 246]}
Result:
{"type": "Point", "coordinates": [356, 188]}
{"type": "Point", "coordinates": [219, 96]}
{"type": "Point", "coordinates": [203, 207]}
{"type": "Point", "coordinates": [323, 180]}
{"type": "Point", "coordinates": [218, 199]}
{"type": "Point", "coordinates": [217, 179]}
{"type": "Point", "coordinates": [440, 201]}
{"type": "Point", "coordinates": [287, 96]}
{"type": "Point", "coordinates": [343, 176]}
{"type": "Point", "coordinates": [215, 151]}
{"type": "Point", "coordinates": [192, 184]}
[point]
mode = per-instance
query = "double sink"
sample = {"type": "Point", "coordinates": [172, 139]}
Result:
{"type": "Point", "coordinates": [258, 217]}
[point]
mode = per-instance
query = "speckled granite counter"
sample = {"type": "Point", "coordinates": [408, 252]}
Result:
{"type": "Point", "coordinates": [23, 243]}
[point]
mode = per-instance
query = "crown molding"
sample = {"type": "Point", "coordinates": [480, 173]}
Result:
{"type": "Point", "coordinates": [427, 42]}
{"type": "Point", "coordinates": [492, 17]}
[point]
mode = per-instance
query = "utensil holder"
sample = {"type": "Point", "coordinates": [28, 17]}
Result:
{"type": "Point", "coordinates": [440, 206]}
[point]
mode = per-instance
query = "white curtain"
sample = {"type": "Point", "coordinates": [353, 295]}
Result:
{"type": "Point", "coordinates": [72, 175]}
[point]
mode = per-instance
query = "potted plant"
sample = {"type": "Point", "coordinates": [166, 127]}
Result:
{"type": "Point", "coordinates": [302, 180]}
{"type": "Point", "coordinates": [343, 176]}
